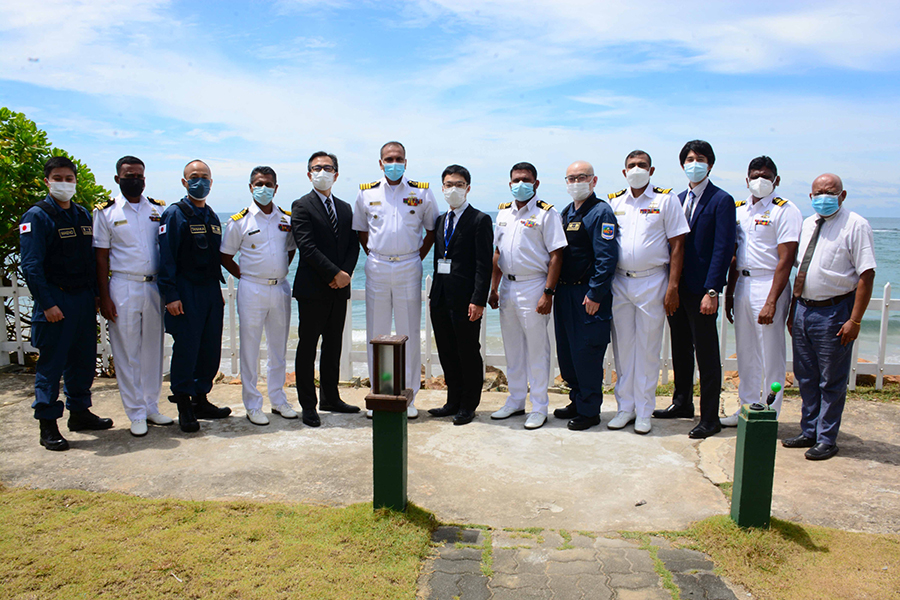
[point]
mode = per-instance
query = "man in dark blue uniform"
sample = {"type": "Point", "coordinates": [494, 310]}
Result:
{"type": "Point", "coordinates": [58, 263]}
{"type": "Point", "coordinates": [189, 275]}
{"type": "Point", "coordinates": [583, 307]}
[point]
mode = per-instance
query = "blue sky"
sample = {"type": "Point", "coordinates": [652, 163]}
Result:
{"type": "Point", "coordinates": [480, 83]}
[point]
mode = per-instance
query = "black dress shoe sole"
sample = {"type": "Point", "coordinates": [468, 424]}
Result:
{"type": "Point", "coordinates": [348, 409]}
{"type": "Point", "coordinates": [463, 419]}
{"type": "Point", "coordinates": [56, 446]}
{"type": "Point", "coordinates": [565, 413]}
{"type": "Point", "coordinates": [702, 435]}
{"type": "Point", "coordinates": [440, 412]}
{"type": "Point", "coordinates": [221, 414]}
{"type": "Point", "coordinates": [311, 422]}
{"type": "Point", "coordinates": [798, 443]}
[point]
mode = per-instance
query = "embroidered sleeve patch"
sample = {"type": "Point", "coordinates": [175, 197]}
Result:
{"type": "Point", "coordinates": [608, 231]}
{"type": "Point", "coordinates": [162, 229]}
{"type": "Point", "coordinates": [25, 228]}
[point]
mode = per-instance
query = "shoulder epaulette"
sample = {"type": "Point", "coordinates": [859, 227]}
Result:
{"type": "Point", "coordinates": [422, 185]}
{"type": "Point", "coordinates": [240, 215]}
{"type": "Point", "coordinates": [287, 212]}
{"type": "Point", "coordinates": [779, 201]}
{"type": "Point", "coordinates": [107, 204]}
{"type": "Point", "coordinates": [543, 205]}
{"type": "Point", "coordinates": [659, 190]}
{"type": "Point", "coordinates": [615, 194]}
{"type": "Point", "coordinates": [369, 186]}
{"type": "Point", "coordinates": [504, 205]}
{"type": "Point", "coordinates": [739, 203]}
{"type": "Point", "coordinates": [155, 201]}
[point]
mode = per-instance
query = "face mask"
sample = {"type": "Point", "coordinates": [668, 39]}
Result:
{"type": "Point", "coordinates": [62, 190]}
{"type": "Point", "coordinates": [394, 171]}
{"type": "Point", "coordinates": [761, 187]}
{"type": "Point", "coordinates": [522, 191]}
{"type": "Point", "coordinates": [696, 171]}
{"type": "Point", "coordinates": [637, 177]}
{"type": "Point", "coordinates": [263, 194]}
{"type": "Point", "coordinates": [323, 180]}
{"type": "Point", "coordinates": [455, 196]}
{"type": "Point", "coordinates": [199, 188]}
{"type": "Point", "coordinates": [579, 191]}
{"type": "Point", "coordinates": [131, 188]}
{"type": "Point", "coordinates": [825, 205]}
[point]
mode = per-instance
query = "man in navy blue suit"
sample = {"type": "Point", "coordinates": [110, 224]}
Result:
{"type": "Point", "coordinates": [708, 250]}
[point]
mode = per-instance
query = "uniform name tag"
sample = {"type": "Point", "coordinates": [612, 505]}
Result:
{"type": "Point", "coordinates": [68, 232]}
{"type": "Point", "coordinates": [196, 229]}
{"type": "Point", "coordinates": [501, 224]}
{"type": "Point", "coordinates": [575, 226]}
{"type": "Point", "coordinates": [620, 213]}
{"type": "Point", "coordinates": [216, 229]}
{"type": "Point", "coordinates": [254, 232]}
{"type": "Point", "coordinates": [122, 222]}
{"type": "Point", "coordinates": [376, 203]}
{"type": "Point", "coordinates": [443, 266]}
{"type": "Point", "coordinates": [87, 230]}
{"type": "Point", "coordinates": [608, 231]}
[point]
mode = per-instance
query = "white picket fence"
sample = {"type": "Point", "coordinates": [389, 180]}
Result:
{"type": "Point", "coordinates": [884, 306]}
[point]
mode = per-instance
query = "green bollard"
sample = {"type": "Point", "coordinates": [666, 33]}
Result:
{"type": "Point", "coordinates": [754, 463]}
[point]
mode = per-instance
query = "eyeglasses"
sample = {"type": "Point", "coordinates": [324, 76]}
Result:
{"type": "Point", "coordinates": [459, 184]}
{"type": "Point", "coordinates": [581, 178]}
{"type": "Point", "coordinates": [326, 168]}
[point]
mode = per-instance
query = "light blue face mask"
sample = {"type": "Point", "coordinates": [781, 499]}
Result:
{"type": "Point", "coordinates": [825, 205]}
{"type": "Point", "coordinates": [522, 191]}
{"type": "Point", "coordinates": [394, 171]}
{"type": "Point", "coordinates": [263, 194]}
{"type": "Point", "coordinates": [696, 171]}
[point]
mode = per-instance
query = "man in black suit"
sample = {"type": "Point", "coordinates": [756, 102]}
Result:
{"type": "Point", "coordinates": [328, 248]}
{"type": "Point", "coordinates": [708, 249]}
{"type": "Point", "coordinates": [463, 255]}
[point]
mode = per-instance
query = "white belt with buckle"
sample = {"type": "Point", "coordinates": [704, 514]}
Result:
{"type": "Point", "coordinates": [261, 281]}
{"type": "Point", "coordinates": [524, 277]}
{"type": "Point", "coordinates": [394, 258]}
{"type": "Point", "coordinates": [639, 274]}
{"type": "Point", "coordinates": [757, 272]}
{"type": "Point", "coordinates": [131, 277]}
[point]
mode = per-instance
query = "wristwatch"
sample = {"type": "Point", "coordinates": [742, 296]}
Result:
{"type": "Point", "coordinates": [712, 293]}
{"type": "Point", "coordinates": [549, 291]}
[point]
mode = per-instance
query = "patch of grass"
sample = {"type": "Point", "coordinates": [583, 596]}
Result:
{"type": "Point", "coordinates": [726, 488]}
{"type": "Point", "coordinates": [665, 575]}
{"type": "Point", "coordinates": [567, 540]}
{"type": "Point", "coordinates": [74, 544]}
{"type": "Point", "coordinates": [589, 534]}
{"type": "Point", "coordinates": [533, 530]}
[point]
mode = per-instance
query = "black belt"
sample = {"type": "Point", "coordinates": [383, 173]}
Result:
{"type": "Point", "coordinates": [579, 282]}
{"type": "Point", "coordinates": [829, 302]}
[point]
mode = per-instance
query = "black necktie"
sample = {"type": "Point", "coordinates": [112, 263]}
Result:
{"type": "Point", "coordinates": [331, 215]}
{"type": "Point", "coordinates": [449, 228]}
{"type": "Point", "coordinates": [807, 258]}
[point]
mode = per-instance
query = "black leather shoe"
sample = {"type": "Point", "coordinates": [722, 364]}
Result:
{"type": "Point", "coordinates": [444, 411]}
{"type": "Point", "coordinates": [568, 412]}
{"type": "Point", "coordinates": [85, 420]}
{"type": "Point", "coordinates": [204, 409]}
{"type": "Point", "coordinates": [339, 407]}
{"type": "Point", "coordinates": [187, 421]}
{"type": "Point", "coordinates": [704, 430]}
{"type": "Point", "coordinates": [51, 438]}
{"type": "Point", "coordinates": [673, 411]}
{"type": "Point", "coordinates": [311, 417]}
{"type": "Point", "coordinates": [821, 452]}
{"type": "Point", "coordinates": [801, 441]}
{"type": "Point", "coordinates": [463, 417]}
{"type": "Point", "coordinates": [580, 422]}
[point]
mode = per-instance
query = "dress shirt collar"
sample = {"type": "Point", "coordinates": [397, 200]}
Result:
{"type": "Point", "coordinates": [763, 202]}
{"type": "Point", "coordinates": [698, 190]}
{"type": "Point", "coordinates": [458, 211]}
{"type": "Point", "coordinates": [323, 197]}
{"type": "Point", "coordinates": [528, 205]}
{"type": "Point", "coordinates": [256, 211]}
{"type": "Point", "coordinates": [121, 200]}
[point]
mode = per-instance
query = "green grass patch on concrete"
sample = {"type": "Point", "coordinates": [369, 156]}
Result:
{"type": "Point", "coordinates": [567, 540]}
{"type": "Point", "coordinates": [668, 582]}
{"type": "Point", "coordinates": [726, 488]}
{"type": "Point", "coordinates": [74, 544]}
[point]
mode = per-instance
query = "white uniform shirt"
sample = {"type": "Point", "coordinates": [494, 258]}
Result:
{"type": "Point", "coordinates": [131, 233]}
{"type": "Point", "coordinates": [646, 224]}
{"type": "Point", "coordinates": [845, 250]}
{"type": "Point", "coordinates": [761, 227]}
{"type": "Point", "coordinates": [263, 241]}
{"type": "Point", "coordinates": [394, 215]}
{"type": "Point", "coordinates": [526, 236]}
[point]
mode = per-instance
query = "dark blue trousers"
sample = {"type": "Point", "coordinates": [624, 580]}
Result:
{"type": "Point", "coordinates": [197, 338]}
{"type": "Point", "coordinates": [821, 367]}
{"type": "Point", "coordinates": [68, 349]}
{"type": "Point", "coordinates": [581, 341]}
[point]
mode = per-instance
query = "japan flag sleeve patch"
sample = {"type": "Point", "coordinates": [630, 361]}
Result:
{"type": "Point", "coordinates": [162, 229]}
{"type": "Point", "coordinates": [25, 228]}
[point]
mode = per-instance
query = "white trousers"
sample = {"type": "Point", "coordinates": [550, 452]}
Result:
{"type": "Point", "coordinates": [263, 307]}
{"type": "Point", "coordinates": [761, 350]}
{"type": "Point", "coordinates": [526, 342]}
{"type": "Point", "coordinates": [395, 289]}
{"type": "Point", "coordinates": [136, 339]}
{"type": "Point", "coordinates": [639, 319]}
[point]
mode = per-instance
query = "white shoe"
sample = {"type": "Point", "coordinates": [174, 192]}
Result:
{"type": "Point", "coordinates": [284, 410]}
{"type": "Point", "coordinates": [535, 420]}
{"type": "Point", "coordinates": [159, 419]}
{"type": "Point", "coordinates": [731, 421]}
{"type": "Point", "coordinates": [412, 412]}
{"type": "Point", "coordinates": [621, 419]}
{"type": "Point", "coordinates": [368, 414]}
{"type": "Point", "coordinates": [642, 425]}
{"type": "Point", "coordinates": [507, 412]}
{"type": "Point", "coordinates": [257, 417]}
{"type": "Point", "coordinates": [139, 428]}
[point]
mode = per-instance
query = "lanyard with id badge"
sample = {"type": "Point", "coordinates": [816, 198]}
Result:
{"type": "Point", "coordinates": [443, 264]}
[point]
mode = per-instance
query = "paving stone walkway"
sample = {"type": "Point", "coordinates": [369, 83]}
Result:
{"type": "Point", "coordinates": [483, 564]}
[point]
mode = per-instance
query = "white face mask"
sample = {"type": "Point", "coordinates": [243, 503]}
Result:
{"type": "Point", "coordinates": [637, 177]}
{"type": "Point", "coordinates": [455, 196]}
{"type": "Point", "coordinates": [322, 180]}
{"type": "Point", "coordinates": [761, 187]}
{"type": "Point", "coordinates": [62, 190]}
{"type": "Point", "coordinates": [579, 191]}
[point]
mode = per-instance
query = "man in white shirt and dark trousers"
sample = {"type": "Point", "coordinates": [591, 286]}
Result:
{"type": "Point", "coordinates": [831, 293]}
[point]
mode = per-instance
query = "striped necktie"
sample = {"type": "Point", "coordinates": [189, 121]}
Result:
{"type": "Point", "coordinates": [807, 259]}
{"type": "Point", "coordinates": [331, 216]}
{"type": "Point", "coordinates": [689, 206]}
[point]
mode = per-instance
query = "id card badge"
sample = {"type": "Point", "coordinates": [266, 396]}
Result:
{"type": "Point", "coordinates": [443, 266]}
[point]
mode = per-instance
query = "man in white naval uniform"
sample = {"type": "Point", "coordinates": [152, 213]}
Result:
{"type": "Point", "coordinates": [757, 299]}
{"type": "Point", "coordinates": [127, 250]}
{"type": "Point", "coordinates": [390, 216]}
{"type": "Point", "coordinates": [652, 228]}
{"type": "Point", "coordinates": [262, 234]}
{"type": "Point", "coordinates": [529, 241]}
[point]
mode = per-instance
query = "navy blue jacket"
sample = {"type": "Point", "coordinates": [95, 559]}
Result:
{"type": "Point", "coordinates": [710, 244]}
{"type": "Point", "coordinates": [593, 252]}
{"type": "Point", "coordinates": [188, 248]}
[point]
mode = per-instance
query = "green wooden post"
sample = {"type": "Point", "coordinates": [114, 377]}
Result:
{"type": "Point", "coordinates": [389, 444]}
{"type": "Point", "coordinates": [754, 464]}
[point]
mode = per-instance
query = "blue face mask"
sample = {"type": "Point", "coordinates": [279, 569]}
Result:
{"type": "Point", "coordinates": [825, 205]}
{"type": "Point", "coordinates": [394, 171]}
{"type": "Point", "coordinates": [199, 188]}
{"type": "Point", "coordinates": [263, 194]}
{"type": "Point", "coordinates": [522, 191]}
{"type": "Point", "coordinates": [696, 171]}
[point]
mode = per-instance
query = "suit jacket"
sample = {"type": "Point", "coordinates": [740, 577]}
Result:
{"type": "Point", "coordinates": [472, 253]}
{"type": "Point", "coordinates": [322, 253]}
{"type": "Point", "coordinates": [710, 244]}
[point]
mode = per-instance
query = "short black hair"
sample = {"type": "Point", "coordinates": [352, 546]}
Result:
{"type": "Point", "coordinates": [264, 171]}
{"type": "Point", "coordinates": [524, 166]}
{"type": "Point", "coordinates": [700, 147]}
{"type": "Point", "coordinates": [320, 154]}
{"type": "Point", "coordinates": [457, 170]}
{"type": "Point", "coordinates": [763, 162]}
{"type": "Point", "coordinates": [635, 153]}
{"type": "Point", "coordinates": [59, 162]}
{"type": "Point", "coordinates": [395, 143]}
{"type": "Point", "coordinates": [127, 160]}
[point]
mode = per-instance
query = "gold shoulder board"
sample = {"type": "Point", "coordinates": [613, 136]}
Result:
{"type": "Point", "coordinates": [504, 205]}
{"type": "Point", "coordinates": [369, 186]}
{"type": "Point", "coordinates": [107, 204]}
{"type": "Point", "coordinates": [779, 201]}
{"type": "Point", "coordinates": [155, 201]}
{"type": "Point", "coordinates": [240, 215]}
{"type": "Point", "coordinates": [739, 203]}
{"type": "Point", "coordinates": [422, 185]}
{"type": "Point", "coordinates": [543, 205]}
{"type": "Point", "coordinates": [287, 212]}
{"type": "Point", "coordinates": [615, 194]}
{"type": "Point", "coordinates": [659, 190]}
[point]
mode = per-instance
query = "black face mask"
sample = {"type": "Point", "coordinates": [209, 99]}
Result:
{"type": "Point", "coordinates": [131, 188]}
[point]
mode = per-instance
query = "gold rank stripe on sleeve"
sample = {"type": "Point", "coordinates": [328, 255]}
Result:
{"type": "Point", "coordinates": [286, 212]}
{"type": "Point", "coordinates": [739, 203]}
{"type": "Point", "coordinates": [543, 205]}
{"type": "Point", "coordinates": [615, 194]}
{"type": "Point", "coordinates": [240, 215]}
{"type": "Point", "coordinates": [422, 185]}
{"type": "Point", "coordinates": [369, 186]}
{"type": "Point", "coordinates": [779, 201]}
{"type": "Point", "coordinates": [660, 190]}
{"type": "Point", "coordinates": [504, 205]}
{"type": "Point", "coordinates": [107, 204]}
{"type": "Point", "coordinates": [155, 201]}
